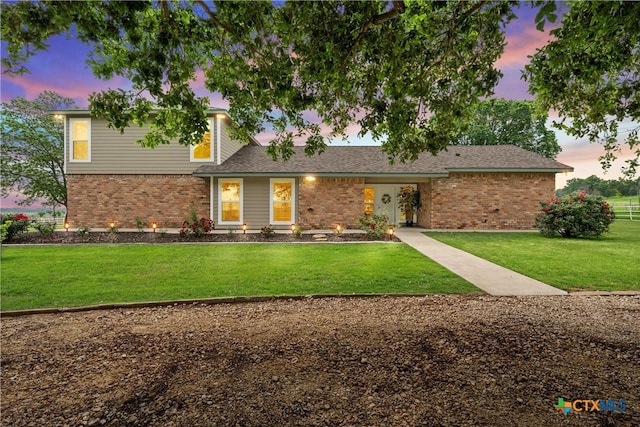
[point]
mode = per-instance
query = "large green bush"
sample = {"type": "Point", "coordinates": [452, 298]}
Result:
{"type": "Point", "coordinates": [575, 215]}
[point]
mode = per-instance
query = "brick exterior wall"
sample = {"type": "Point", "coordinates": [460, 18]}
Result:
{"type": "Point", "coordinates": [325, 202]}
{"type": "Point", "coordinates": [484, 201]}
{"type": "Point", "coordinates": [95, 200]}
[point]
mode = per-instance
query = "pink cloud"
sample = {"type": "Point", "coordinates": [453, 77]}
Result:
{"type": "Point", "coordinates": [520, 46]}
{"type": "Point", "coordinates": [77, 89]}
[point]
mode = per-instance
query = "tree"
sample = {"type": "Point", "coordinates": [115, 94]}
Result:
{"type": "Point", "coordinates": [601, 187]}
{"type": "Point", "coordinates": [589, 74]}
{"type": "Point", "coordinates": [408, 73]}
{"type": "Point", "coordinates": [32, 149]}
{"type": "Point", "coordinates": [502, 122]}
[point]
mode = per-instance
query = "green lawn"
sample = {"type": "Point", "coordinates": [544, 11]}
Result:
{"type": "Point", "coordinates": [66, 276]}
{"type": "Point", "coordinates": [609, 263]}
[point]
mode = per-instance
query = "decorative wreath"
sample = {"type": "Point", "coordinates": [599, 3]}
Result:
{"type": "Point", "coordinates": [386, 199]}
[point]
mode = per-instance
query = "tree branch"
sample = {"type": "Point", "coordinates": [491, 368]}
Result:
{"type": "Point", "coordinates": [397, 9]}
{"type": "Point", "coordinates": [213, 17]}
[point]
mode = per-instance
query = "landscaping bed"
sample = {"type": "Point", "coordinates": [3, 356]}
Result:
{"type": "Point", "coordinates": [61, 237]}
{"type": "Point", "coordinates": [430, 361]}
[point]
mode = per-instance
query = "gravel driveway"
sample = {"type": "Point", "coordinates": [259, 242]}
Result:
{"type": "Point", "coordinates": [432, 361]}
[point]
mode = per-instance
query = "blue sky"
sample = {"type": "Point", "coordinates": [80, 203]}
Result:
{"type": "Point", "coordinates": [63, 69]}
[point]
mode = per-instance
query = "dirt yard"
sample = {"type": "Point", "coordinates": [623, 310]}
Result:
{"type": "Point", "coordinates": [421, 361]}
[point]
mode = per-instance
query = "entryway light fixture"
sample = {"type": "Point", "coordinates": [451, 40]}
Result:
{"type": "Point", "coordinates": [309, 178]}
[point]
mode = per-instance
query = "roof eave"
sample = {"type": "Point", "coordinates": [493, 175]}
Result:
{"type": "Point", "coordinates": [318, 174]}
{"type": "Point", "coordinates": [85, 112]}
{"type": "Point", "coordinates": [512, 170]}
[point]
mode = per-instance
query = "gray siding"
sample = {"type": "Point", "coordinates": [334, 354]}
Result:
{"type": "Point", "coordinates": [116, 153]}
{"type": "Point", "coordinates": [255, 202]}
{"type": "Point", "coordinates": [228, 146]}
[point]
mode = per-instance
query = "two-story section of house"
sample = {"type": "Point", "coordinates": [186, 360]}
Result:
{"type": "Point", "coordinates": [110, 178]}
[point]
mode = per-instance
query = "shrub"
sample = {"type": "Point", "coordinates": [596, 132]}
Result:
{"type": "Point", "coordinates": [45, 228]}
{"type": "Point", "coordinates": [84, 231]}
{"type": "Point", "coordinates": [375, 225]}
{"type": "Point", "coordinates": [4, 229]}
{"type": "Point", "coordinates": [575, 215]}
{"type": "Point", "coordinates": [297, 232]}
{"type": "Point", "coordinates": [267, 232]}
{"type": "Point", "coordinates": [14, 225]}
{"type": "Point", "coordinates": [196, 226]}
{"type": "Point", "coordinates": [140, 224]}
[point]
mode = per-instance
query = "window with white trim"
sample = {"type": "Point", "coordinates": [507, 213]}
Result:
{"type": "Point", "coordinates": [369, 200]}
{"type": "Point", "coordinates": [230, 201]}
{"type": "Point", "coordinates": [80, 140]}
{"type": "Point", "coordinates": [282, 203]}
{"type": "Point", "coordinates": [202, 152]}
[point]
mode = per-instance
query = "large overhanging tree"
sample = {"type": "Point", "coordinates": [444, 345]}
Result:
{"type": "Point", "coordinates": [407, 72]}
{"type": "Point", "coordinates": [32, 160]}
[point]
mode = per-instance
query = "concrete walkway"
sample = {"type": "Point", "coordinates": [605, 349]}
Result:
{"type": "Point", "coordinates": [491, 278]}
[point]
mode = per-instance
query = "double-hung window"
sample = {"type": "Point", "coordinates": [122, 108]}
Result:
{"type": "Point", "coordinates": [203, 151]}
{"type": "Point", "coordinates": [80, 140]}
{"type": "Point", "coordinates": [282, 203]}
{"type": "Point", "coordinates": [230, 201]}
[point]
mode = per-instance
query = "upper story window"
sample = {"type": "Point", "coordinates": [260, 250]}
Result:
{"type": "Point", "coordinates": [203, 152]}
{"type": "Point", "coordinates": [80, 140]}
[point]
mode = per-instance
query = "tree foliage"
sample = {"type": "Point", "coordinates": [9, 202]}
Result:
{"type": "Point", "coordinates": [502, 122]}
{"type": "Point", "coordinates": [590, 75]}
{"type": "Point", "coordinates": [407, 72]}
{"type": "Point", "coordinates": [32, 150]}
{"type": "Point", "coordinates": [601, 187]}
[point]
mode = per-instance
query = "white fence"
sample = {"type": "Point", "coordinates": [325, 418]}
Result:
{"type": "Point", "coordinates": [628, 211]}
{"type": "Point", "coordinates": [39, 216]}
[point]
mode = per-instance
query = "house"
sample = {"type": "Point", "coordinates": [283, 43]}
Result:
{"type": "Point", "coordinates": [111, 179]}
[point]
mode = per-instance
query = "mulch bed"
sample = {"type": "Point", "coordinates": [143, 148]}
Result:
{"type": "Point", "coordinates": [71, 237]}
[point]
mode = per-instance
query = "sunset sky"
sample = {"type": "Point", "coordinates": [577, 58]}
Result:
{"type": "Point", "coordinates": [62, 69]}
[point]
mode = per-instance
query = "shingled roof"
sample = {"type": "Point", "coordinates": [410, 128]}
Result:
{"type": "Point", "coordinates": [372, 161]}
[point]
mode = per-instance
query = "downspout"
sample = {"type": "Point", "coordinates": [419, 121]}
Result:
{"type": "Point", "coordinates": [218, 137]}
{"type": "Point", "coordinates": [64, 144]}
{"type": "Point", "coordinates": [211, 197]}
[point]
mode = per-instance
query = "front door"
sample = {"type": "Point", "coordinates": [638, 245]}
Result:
{"type": "Point", "coordinates": [385, 201]}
